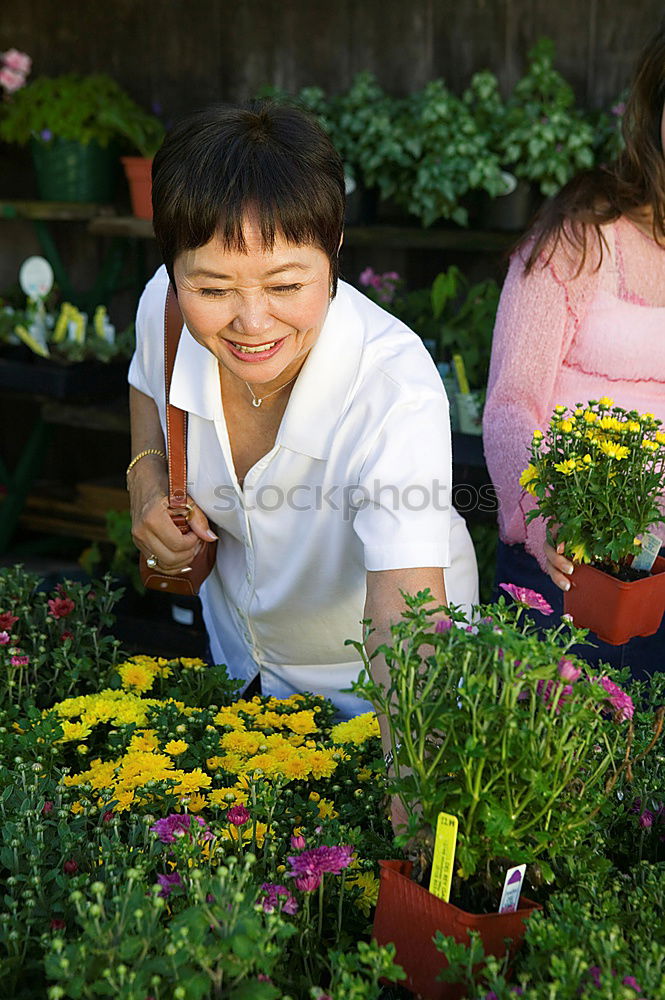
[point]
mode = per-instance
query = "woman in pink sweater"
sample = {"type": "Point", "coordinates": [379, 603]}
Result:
{"type": "Point", "coordinates": [582, 315]}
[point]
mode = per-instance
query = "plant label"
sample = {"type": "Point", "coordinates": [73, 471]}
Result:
{"type": "Point", "coordinates": [512, 887]}
{"type": "Point", "coordinates": [650, 548]}
{"type": "Point", "coordinates": [444, 856]}
{"type": "Point", "coordinates": [36, 277]}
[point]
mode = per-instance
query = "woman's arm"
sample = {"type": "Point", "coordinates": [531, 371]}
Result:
{"type": "Point", "coordinates": [153, 530]}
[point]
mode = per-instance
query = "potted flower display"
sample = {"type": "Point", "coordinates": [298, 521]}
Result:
{"type": "Point", "coordinates": [504, 736]}
{"type": "Point", "coordinates": [575, 468]}
{"type": "Point", "coordinates": [145, 132]}
{"type": "Point", "coordinates": [69, 123]}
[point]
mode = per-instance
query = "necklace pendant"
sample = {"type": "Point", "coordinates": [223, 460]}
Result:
{"type": "Point", "coordinates": [256, 401]}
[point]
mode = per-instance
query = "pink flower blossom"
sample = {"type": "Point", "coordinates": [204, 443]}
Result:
{"type": "Point", "coordinates": [20, 660]}
{"type": "Point", "coordinates": [19, 61]}
{"type": "Point", "coordinates": [11, 80]}
{"type": "Point", "coordinates": [238, 815]}
{"type": "Point", "coordinates": [298, 843]}
{"type": "Point", "coordinates": [308, 883]}
{"type": "Point", "coordinates": [632, 983]}
{"type": "Point", "coordinates": [319, 860]}
{"type": "Point", "coordinates": [170, 828]}
{"type": "Point", "coordinates": [7, 619]}
{"type": "Point", "coordinates": [527, 598]}
{"type": "Point", "coordinates": [443, 625]}
{"type": "Point", "coordinates": [70, 867]}
{"type": "Point", "coordinates": [549, 690]}
{"type": "Point", "coordinates": [60, 607]}
{"type": "Point", "coordinates": [618, 699]}
{"type": "Point", "coordinates": [568, 671]}
{"type": "Point", "coordinates": [646, 819]}
{"type": "Point", "coordinates": [4, 638]}
{"type": "Point", "coordinates": [367, 277]}
{"type": "Point", "coordinates": [168, 882]}
{"type": "Point", "coordinates": [47, 808]}
{"type": "Point", "coordinates": [273, 896]}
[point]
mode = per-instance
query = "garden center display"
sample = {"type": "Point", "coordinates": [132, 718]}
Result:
{"type": "Point", "coordinates": [163, 837]}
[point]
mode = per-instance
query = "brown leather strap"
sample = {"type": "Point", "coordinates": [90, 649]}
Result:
{"type": "Point", "coordinates": [176, 419]}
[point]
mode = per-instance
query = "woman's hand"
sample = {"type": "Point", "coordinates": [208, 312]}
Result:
{"type": "Point", "coordinates": [153, 530]}
{"type": "Point", "coordinates": [559, 568]}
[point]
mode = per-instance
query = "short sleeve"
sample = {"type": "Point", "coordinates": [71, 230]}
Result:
{"type": "Point", "coordinates": [404, 490]}
{"type": "Point", "coordinates": [146, 370]}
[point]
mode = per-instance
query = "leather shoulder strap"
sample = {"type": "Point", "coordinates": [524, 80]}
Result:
{"type": "Point", "coordinates": [176, 419]}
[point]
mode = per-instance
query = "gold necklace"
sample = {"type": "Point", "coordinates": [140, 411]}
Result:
{"type": "Point", "coordinates": [257, 400]}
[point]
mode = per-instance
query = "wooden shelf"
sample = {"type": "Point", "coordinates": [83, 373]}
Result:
{"type": "Point", "coordinates": [54, 211]}
{"type": "Point", "coordinates": [121, 225]}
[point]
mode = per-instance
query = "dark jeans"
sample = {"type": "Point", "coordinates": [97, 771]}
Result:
{"type": "Point", "coordinates": [644, 656]}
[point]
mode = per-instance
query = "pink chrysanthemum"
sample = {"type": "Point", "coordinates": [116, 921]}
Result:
{"type": "Point", "coordinates": [621, 702]}
{"type": "Point", "coordinates": [528, 598]}
{"type": "Point", "coordinates": [274, 895]}
{"type": "Point", "coordinates": [238, 815]}
{"type": "Point", "coordinates": [317, 861]}
{"type": "Point", "coordinates": [170, 828]}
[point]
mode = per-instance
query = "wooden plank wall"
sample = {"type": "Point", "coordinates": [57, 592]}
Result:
{"type": "Point", "coordinates": [186, 53]}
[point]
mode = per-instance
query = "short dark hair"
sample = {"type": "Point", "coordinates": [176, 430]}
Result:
{"type": "Point", "coordinates": [216, 165]}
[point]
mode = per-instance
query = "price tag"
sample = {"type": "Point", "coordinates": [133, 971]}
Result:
{"type": "Point", "coordinates": [444, 856]}
{"type": "Point", "coordinates": [36, 277]}
{"type": "Point", "coordinates": [512, 887]}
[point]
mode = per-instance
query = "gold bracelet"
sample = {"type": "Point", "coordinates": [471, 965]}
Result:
{"type": "Point", "coordinates": [142, 454]}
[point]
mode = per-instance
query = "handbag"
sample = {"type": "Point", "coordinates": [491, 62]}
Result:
{"type": "Point", "coordinates": [186, 584]}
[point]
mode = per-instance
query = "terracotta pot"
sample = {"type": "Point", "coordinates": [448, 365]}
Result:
{"type": "Point", "coordinates": [614, 609]}
{"type": "Point", "coordinates": [409, 916]}
{"type": "Point", "coordinates": [138, 170]}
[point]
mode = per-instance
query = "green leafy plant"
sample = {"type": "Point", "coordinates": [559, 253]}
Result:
{"type": "Point", "coordinates": [73, 107]}
{"type": "Point", "coordinates": [64, 333]}
{"type": "Point", "coordinates": [502, 730]}
{"type": "Point", "coordinates": [573, 474]}
{"type": "Point", "coordinates": [545, 139]}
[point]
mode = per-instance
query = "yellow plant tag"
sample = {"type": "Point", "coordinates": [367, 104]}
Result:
{"type": "Point", "coordinates": [460, 372]}
{"type": "Point", "coordinates": [444, 856]}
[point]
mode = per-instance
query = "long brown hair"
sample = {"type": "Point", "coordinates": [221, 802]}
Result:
{"type": "Point", "coordinates": [634, 181]}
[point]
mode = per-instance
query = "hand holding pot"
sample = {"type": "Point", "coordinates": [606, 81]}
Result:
{"type": "Point", "coordinates": [559, 568]}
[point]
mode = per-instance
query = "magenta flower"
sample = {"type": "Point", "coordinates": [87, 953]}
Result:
{"type": "Point", "coordinates": [527, 598]}
{"type": "Point", "coordinates": [568, 671]}
{"type": "Point", "coordinates": [548, 691]}
{"type": "Point", "coordinates": [632, 983]}
{"type": "Point", "coordinates": [47, 808]}
{"type": "Point", "coordinates": [168, 883]}
{"type": "Point", "coordinates": [20, 660]}
{"type": "Point", "coordinates": [20, 62]}
{"type": "Point", "coordinates": [367, 277]}
{"type": "Point", "coordinates": [70, 867]}
{"type": "Point", "coordinates": [273, 896]}
{"type": "Point", "coordinates": [298, 843]}
{"type": "Point", "coordinates": [11, 80]}
{"type": "Point", "coordinates": [443, 625]}
{"type": "Point", "coordinates": [61, 607]}
{"type": "Point", "coordinates": [646, 819]}
{"type": "Point", "coordinates": [618, 699]}
{"type": "Point", "coordinates": [319, 860]}
{"type": "Point", "coordinates": [170, 828]}
{"type": "Point", "coordinates": [307, 883]}
{"type": "Point", "coordinates": [238, 815]}
{"type": "Point", "coordinates": [4, 638]}
{"type": "Point", "coordinates": [7, 619]}
{"type": "Point", "coordinates": [594, 972]}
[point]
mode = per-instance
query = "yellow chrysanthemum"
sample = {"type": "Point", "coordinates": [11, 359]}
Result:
{"type": "Point", "coordinates": [528, 478]}
{"type": "Point", "coordinates": [648, 445]}
{"type": "Point", "coordinates": [301, 722]}
{"type": "Point", "coordinates": [605, 402]}
{"type": "Point", "coordinates": [327, 809]}
{"type": "Point", "coordinates": [370, 890]}
{"type": "Point", "coordinates": [660, 437]}
{"type": "Point", "coordinates": [633, 426]}
{"type": "Point", "coordinates": [567, 468]}
{"type": "Point", "coordinates": [612, 450]}
{"type": "Point", "coordinates": [196, 803]}
{"type": "Point", "coordinates": [136, 676]}
{"type": "Point", "coordinates": [559, 409]}
{"type": "Point", "coordinates": [537, 435]}
{"type": "Point", "coordinates": [356, 730]}
{"type": "Point", "coordinates": [175, 747]}
{"type": "Point", "coordinates": [192, 663]}
{"type": "Point", "coordinates": [590, 417]}
{"type": "Point", "coordinates": [566, 426]}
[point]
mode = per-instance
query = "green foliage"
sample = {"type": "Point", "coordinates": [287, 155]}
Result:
{"type": "Point", "coordinates": [605, 939]}
{"type": "Point", "coordinates": [544, 138]}
{"type": "Point", "coordinates": [74, 107]}
{"type": "Point", "coordinates": [573, 473]}
{"type": "Point", "coordinates": [55, 651]}
{"type": "Point", "coordinates": [486, 729]}
{"type": "Point", "coordinates": [122, 563]}
{"type": "Point", "coordinates": [64, 334]}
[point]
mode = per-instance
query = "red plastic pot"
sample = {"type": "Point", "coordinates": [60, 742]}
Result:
{"type": "Point", "coordinates": [409, 916]}
{"type": "Point", "coordinates": [138, 170]}
{"type": "Point", "coordinates": [615, 609]}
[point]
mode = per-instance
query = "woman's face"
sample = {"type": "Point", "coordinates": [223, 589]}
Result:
{"type": "Point", "coordinates": [258, 312]}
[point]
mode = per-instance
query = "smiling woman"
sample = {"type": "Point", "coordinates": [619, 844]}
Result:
{"type": "Point", "coordinates": [318, 443]}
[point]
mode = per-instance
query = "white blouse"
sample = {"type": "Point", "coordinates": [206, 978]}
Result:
{"type": "Point", "coordinates": [359, 479]}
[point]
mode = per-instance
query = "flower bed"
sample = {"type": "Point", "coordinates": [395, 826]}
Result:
{"type": "Point", "coordinates": [161, 837]}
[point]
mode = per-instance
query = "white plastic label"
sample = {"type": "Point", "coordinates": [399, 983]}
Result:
{"type": "Point", "coordinates": [36, 277]}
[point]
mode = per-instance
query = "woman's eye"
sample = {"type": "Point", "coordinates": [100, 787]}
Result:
{"type": "Point", "coordinates": [214, 292]}
{"type": "Point", "coordinates": [285, 288]}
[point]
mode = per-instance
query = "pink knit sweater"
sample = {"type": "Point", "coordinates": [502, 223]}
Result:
{"type": "Point", "coordinates": [562, 338]}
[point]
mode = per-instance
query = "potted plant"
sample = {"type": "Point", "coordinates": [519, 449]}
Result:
{"type": "Point", "coordinates": [68, 123]}
{"type": "Point", "coordinates": [505, 733]}
{"type": "Point", "coordinates": [545, 140]}
{"type": "Point", "coordinates": [145, 132]}
{"type": "Point", "coordinates": [574, 474]}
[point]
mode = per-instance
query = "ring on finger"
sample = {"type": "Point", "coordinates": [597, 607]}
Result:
{"type": "Point", "coordinates": [151, 561]}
